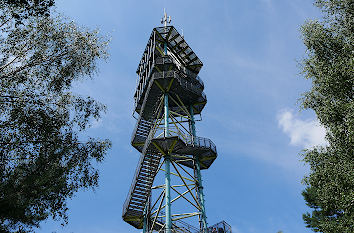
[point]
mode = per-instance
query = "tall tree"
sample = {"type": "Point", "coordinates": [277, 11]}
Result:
{"type": "Point", "coordinates": [330, 65]}
{"type": "Point", "coordinates": [44, 157]}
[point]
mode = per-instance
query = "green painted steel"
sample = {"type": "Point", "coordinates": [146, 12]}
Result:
{"type": "Point", "coordinates": [145, 227]}
{"type": "Point", "coordinates": [199, 175]}
{"type": "Point", "coordinates": [167, 166]}
{"type": "Point", "coordinates": [192, 122]}
{"type": "Point", "coordinates": [168, 195]}
{"type": "Point", "coordinates": [167, 174]}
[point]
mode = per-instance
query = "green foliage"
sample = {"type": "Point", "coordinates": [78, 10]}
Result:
{"type": "Point", "coordinates": [330, 66]}
{"type": "Point", "coordinates": [22, 9]}
{"type": "Point", "coordinates": [42, 160]}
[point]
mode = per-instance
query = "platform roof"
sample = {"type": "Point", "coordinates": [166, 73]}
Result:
{"type": "Point", "coordinates": [179, 47]}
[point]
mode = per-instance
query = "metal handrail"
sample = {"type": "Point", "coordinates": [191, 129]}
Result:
{"type": "Point", "coordinates": [137, 126]}
{"type": "Point", "coordinates": [186, 71]}
{"type": "Point", "coordinates": [221, 225]}
{"type": "Point", "coordinates": [137, 170]}
{"type": "Point", "coordinates": [127, 200]}
{"type": "Point", "coordinates": [195, 84]}
{"type": "Point", "coordinates": [197, 141]}
{"type": "Point", "coordinates": [163, 60]}
{"type": "Point", "coordinates": [199, 80]}
{"type": "Point", "coordinates": [195, 87]}
{"type": "Point", "coordinates": [177, 224]}
{"type": "Point", "coordinates": [203, 142]}
{"type": "Point", "coordinates": [182, 80]}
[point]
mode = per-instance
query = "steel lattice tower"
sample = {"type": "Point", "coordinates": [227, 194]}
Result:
{"type": "Point", "coordinates": [168, 96]}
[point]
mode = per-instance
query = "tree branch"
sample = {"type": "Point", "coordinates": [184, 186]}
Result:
{"type": "Point", "coordinates": [5, 22]}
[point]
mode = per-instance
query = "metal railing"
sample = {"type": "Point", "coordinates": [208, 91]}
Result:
{"type": "Point", "coordinates": [137, 170]}
{"type": "Point", "coordinates": [163, 60]}
{"type": "Point", "coordinates": [140, 121]}
{"type": "Point", "coordinates": [178, 226]}
{"type": "Point", "coordinates": [196, 141]}
{"type": "Point", "coordinates": [221, 227]}
{"type": "Point", "coordinates": [190, 75]}
{"type": "Point", "coordinates": [186, 78]}
{"type": "Point", "coordinates": [194, 85]}
{"type": "Point", "coordinates": [185, 83]}
{"type": "Point", "coordinates": [200, 80]}
{"type": "Point", "coordinates": [127, 200]}
{"type": "Point", "coordinates": [201, 142]}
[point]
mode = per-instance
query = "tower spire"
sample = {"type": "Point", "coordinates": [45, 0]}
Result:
{"type": "Point", "coordinates": [165, 20]}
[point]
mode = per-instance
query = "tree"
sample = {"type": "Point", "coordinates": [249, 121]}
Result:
{"type": "Point", "coordinates": [44, 155]}
{"type": "Point", "coordinates": [330, 66]}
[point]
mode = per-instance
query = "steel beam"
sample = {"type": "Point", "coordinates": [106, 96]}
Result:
{"type": "Point", "coordinates": [167, 174]}
{"type": "Point", "coordinates": [199, 175]}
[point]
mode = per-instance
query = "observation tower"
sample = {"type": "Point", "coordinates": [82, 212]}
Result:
{"type": "Point", "coordinates": [166, 194]}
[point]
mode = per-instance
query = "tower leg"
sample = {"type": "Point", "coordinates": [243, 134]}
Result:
{"type": "Point", "coordinates": [167, 174]}
{"type": "Point", "coordinates": [204, 224]}
{"type": "Point", "coordinates": [145, 227]}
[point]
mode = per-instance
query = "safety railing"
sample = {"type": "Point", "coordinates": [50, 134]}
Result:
{"type": "Point", "coordinates": [185, 83]}
{"type": "Point", "coordinates": [202, 142]}
{"type": "Point", "coordinates": [200, 80]}
{"type": "Point", "coordinates": [221, 227]}
{"type": "Point", "coordinates": [127, 200]}
{"type": "Point", "coordinates": [138, 124]}
{"type": "Point", "coordinates": [193, 84]}
{"type": "Point", "coordinates": [178, 226]}
{"type": "Point", "coordinates": [190, 75]}
{"type": "Point", "coordinates": [185, 226]}
{"type": "Point", "coordinates": [196, 141]}
{"type": "Point", "coordinates": [163, 60]}
{"type": "Point", "coordinates": [137, 170]}
{"type": "Point", "coordinates": [186, 78]}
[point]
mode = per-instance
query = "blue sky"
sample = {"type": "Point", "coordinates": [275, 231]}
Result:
{"type": "Point", "coordinates": [250, 51]}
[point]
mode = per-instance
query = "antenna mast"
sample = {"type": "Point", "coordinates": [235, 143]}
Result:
{"type": "Point", "coordinates": [165, 20]}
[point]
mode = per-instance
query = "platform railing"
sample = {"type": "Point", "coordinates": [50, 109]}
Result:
{"type": "Point", "coordinates": [219, 227]}
{"type": "Point", "coordinates": [203, 142]}
{"type": "Point", "coordinates": [185, 83]}
{"type": "Point", "coordinates": [184, 70]}
{"type": "Point", "coordinates": [163, 60]}
{"type": "Point", "coordinates": [200, 80]}
{"type": "Point", "coordinates": [197, 141]}
{"type": "Point", "coordinates": [195, 85]}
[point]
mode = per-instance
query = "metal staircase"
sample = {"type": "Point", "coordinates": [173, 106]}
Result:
{"type": "Point", "coordinates": [134, 205]}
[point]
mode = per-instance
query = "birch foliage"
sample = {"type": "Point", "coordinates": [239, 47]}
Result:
{"type": "Point", "coordinates": [330, 66]}
{"type": "Point", "coordinates": [42, 160]}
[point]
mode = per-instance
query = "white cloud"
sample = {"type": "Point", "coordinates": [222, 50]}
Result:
{"type": "Point", "coordinates": [235, 229]}
{"type": "Point", "coordinates": [95, 124]}
{"type": "Point", "coordinates": [306, 133]}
